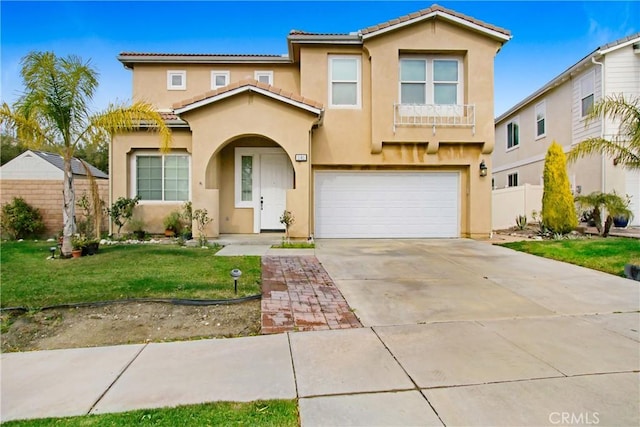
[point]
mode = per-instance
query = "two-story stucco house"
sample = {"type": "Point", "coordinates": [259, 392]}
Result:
{"type": "Point", "coordinates": [557, 112]}
{"type": "Point", "coordinates": [376, 133]}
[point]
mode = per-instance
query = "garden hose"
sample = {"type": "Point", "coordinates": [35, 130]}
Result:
{"type": "Point", "coordinates": [174, 301]}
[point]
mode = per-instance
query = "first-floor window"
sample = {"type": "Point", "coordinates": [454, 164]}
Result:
{"type": "Point", "coordinates": [512, 179]}
{"type": "Point", "coordinates": [162, 177]}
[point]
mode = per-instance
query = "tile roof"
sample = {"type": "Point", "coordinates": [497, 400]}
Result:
{"type": "Point", "coordinates": [249, 83]}
{"type": "Point", "coordinates": [432, 9]}
{"type": "Point", "coordinates": [167, 116]}
{"type": "Point", "coordinates": [308, 33]}
{"type": "Point", "coordinates": [77, 168]}
{"type": "Point", "coordinates": [200, 54]}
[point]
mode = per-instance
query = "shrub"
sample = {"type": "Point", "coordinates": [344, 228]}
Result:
{"type": "Point", "coordinates": [201, 217]}
{"type": "Point", "coordinates": [122, 210]}
{"type": "Point", "coordinates": [172, 222]}
{"type": "Point", "coordinates": [558, 209]}
{"type": "Point", "coordinates": [20, 220]}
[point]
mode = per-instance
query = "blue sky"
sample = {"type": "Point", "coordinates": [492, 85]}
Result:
{"type": "Point", "coordinates": [548, 37]}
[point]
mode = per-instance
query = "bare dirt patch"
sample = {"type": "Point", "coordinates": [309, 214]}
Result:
{"type": "Point", "coordinates": [126, 323]}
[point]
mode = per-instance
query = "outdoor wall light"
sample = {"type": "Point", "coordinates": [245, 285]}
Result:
{"type": "Point", "coordinates": [235, 273]}
{"type": "Point", "coordinates": [483, 169]}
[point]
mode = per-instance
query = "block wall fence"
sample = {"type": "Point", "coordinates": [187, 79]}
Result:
{"type": "Point", "coordinates": [47, 197]}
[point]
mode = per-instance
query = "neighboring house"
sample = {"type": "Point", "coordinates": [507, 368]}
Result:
{"type": "Point", "coordinates": [557, 112]}
{"type": "Point", "coordinates": [375, 133]}
{"type": "Point", "coordinates": [36, 176]}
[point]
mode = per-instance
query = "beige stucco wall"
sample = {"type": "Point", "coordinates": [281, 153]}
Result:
{"type": "Point", "coordinates": [150, 80]}
{"type": "Point", "coordinates": [348, 138]}
{"type": "Point", "coordinates": [46, 195]}
{"type": "Point", "coordinates": [364, 137]}
{"type": "Point", "coordinates": [248, 115]}
{"type": "Point", "coordinates": [123, 148]}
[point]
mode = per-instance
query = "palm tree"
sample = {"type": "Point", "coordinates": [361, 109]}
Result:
{"type": "Point", "coordinates": [54, 111]}
{"type": "Point", "coordinates": [623, 147]}
{"type": "Point", "coordinates": [601, 204]}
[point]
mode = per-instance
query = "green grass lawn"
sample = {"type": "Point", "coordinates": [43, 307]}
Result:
{"type": "Point", "coordinates": [274, 413]}
{"type": "Point", "coordinates": [31, 280]}
{"type": "Point", "coordinates": [608, 255]}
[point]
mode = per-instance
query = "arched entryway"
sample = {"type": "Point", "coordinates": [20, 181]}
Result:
{"type": "Point", "coordinates": [253, 175]}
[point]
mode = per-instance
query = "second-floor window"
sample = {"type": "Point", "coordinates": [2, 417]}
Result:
{"type": "Point", "coordinates": [430, 80]}
{"type": "Point", "coordinates": [513, 134]}
{"type": "Point", "coordinates": [176, 80]}
{"type": "Point", "coordinates": [219, 79]}
{"type": "Point", "coordinates": [587, 95]}
{"type": "Point", "coordinates": [264, 77]}
{"type": "Point", "coordinates": [541, 115]}
{"type": "Point", "coordinates": [344, 80]}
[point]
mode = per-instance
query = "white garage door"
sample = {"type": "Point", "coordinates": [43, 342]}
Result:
{"type": "Point", "coordinates": [386, 204]}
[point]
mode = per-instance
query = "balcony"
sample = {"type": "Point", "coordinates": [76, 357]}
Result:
{"type": "Point", "coordinates": [425, 115]}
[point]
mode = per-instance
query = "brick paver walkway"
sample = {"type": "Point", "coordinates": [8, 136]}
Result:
{"type": "Point", "coordinates": [299, 295]}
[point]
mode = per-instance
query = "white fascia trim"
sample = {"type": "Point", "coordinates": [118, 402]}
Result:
{"type": "Point", "coordinates": [621, 45]}
{"type": "Point", "coordinates": [245, 89]}
{"type": "Point", "coordinates": [441, 14]}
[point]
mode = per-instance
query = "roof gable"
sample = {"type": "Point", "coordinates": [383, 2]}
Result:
{"type": "Point", "coordinates": [251, 86]}
{"type": "Point", "coordinates": [436, 11]}
{"type": "Point", "coordinates": [77, 168]}
{"type": "Point", "coordinates": [571, 71]}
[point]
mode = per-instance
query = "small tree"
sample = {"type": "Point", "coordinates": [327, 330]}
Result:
{"type": "Point", "coordinates": [287, 219]}
{"type": "Point", "coordinates": [201, 217]}
{"type": "Point", "coordinates": [20, 219]}
{"type": "Point", "coordinates": [558, 209]}
{"type": "Point", "coordinates": [122, 210]}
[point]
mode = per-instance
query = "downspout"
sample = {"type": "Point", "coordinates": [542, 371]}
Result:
{"type": "Point", "coordinates": [110, 185]}
{"type": "Point", "coordinates": [602, 124]}
{"type": "Point", "coordinates": [311, 192]}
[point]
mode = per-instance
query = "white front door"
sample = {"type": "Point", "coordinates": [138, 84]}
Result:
{"type": "Point", "coordinates": [276, 176]}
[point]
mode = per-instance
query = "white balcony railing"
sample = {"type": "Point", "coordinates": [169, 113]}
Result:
{"type": "Point", "coordinates": [434, 115]}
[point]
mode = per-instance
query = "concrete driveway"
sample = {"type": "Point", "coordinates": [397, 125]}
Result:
{"type": "Point", "coordinates": [399, 282]}
{"type": "Point", "coordinates": [486, 336]}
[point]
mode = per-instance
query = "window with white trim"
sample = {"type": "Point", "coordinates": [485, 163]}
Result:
{"type": "Point", "coordinates": [587, 94]}
{"type": "Point", "coordinates": [219, 79]}
{"type": "Point", "coordinates": [161, 177]}
{"type": "Point", "coordinates": [541, 115]}
{"type": "Point", "coordinates": [430, 80]}
{"type": "Point", "coordinates": [344, 81]}
{"type": "Point", "coordinates": [513, 134]}
{"type": "Point", "coordinates": [264, 77]}
{"type": "Point", "coordinates": [246, 178]}
{"type": "Point", "coordinates": [176, 80]}
{"type": "Point", "coordinates": [512, 179]}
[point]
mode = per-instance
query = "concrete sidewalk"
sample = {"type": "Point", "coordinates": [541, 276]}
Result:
{"type": "Point", "coordinates": [456, 333]}
{"type": "Point", "coordinates": [503, 372]}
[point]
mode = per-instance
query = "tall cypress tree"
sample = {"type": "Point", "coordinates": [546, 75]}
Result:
{"type": "Point", "coordinates": [558, 208]}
